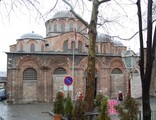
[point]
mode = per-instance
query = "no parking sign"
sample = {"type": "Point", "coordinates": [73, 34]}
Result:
{"type": "Point", "coordinates": [68, 80]}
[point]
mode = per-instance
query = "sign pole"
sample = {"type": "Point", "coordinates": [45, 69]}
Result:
{"type": "Point", "coordinates": [68, 81]}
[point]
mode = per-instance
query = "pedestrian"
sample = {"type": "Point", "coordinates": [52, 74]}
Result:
{"type": "Point", "coordinates": [120, 97]}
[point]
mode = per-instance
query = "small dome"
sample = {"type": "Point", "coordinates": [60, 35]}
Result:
{"type": "Point", "coordinates": [103, 38]}
{"type": "Point", "coordinates": [32, 35]}
{"type": "Point", "coordinates": [63, 14]}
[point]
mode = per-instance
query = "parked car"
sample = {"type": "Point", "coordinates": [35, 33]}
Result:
{"type": "Point", "coordinates": [3, 94]}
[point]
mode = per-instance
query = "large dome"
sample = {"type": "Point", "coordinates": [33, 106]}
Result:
{"type": "Point", "coordinates": [63, 14]}
{"type": "Point", "coordinates": [32, 35]}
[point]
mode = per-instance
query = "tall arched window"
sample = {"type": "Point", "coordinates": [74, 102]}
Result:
{"type": "Point", "coordinates": [42, 48]}
{"type": "Point", "coordinates": [71, 27]}
{"type": "Point", "coordinates": [62, 27]}
{"type": "Point", "coordinates": [65, 46]}
{"type": "Point", "coordinates": [30, 74]}
{"type": "Point", "coordinates": [116, 82]}
{"type": "Point", "coordinates": [32, 48]}
{"type": "Point", "coordinates": [55, 27]}
{"type": "Point", "coordinates": [21, 47]}
{"type": "Point", "coordinates": [96, 48]}
{"type": "Point", "coordinates": [73, 45]}
{"type": "Point", "coordinates": [80, 46]}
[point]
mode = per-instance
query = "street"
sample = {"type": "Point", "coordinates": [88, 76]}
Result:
{"type": "Point", "coordinates": [37, 111]}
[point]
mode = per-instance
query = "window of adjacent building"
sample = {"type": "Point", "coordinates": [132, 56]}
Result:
{"type": "Point", "coordinates": [71, 27]}
{"type": "Point", "coordinates": [32, 48]}
{"type": "Point", "coordinates": [30, 74]}
{"type": "Point", "coordinates": [116, 71]}
{"type": "Point", "coordinates": [80, 46]}
{"type": "Point", "coordinates": [65, 46]}
{"type": "Point", "coordinates": [55, 27]}
{"type": "Point", "coordinates": [59, 71]}
{"type": "Point", "coordinates": [21, 47]}
{"type": "Point", "coordinates": [62, 27]}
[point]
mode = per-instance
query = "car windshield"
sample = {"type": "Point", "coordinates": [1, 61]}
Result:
{"type": "Point", "coordinates": [2, 90]}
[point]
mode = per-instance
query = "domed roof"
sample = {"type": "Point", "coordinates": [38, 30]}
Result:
{"type": "Point", "coordinates": [117, 43]}
{"type": "Point", "coordinates": [103, 38]}
{"type": "Point", "coordinates": [106, 38]}
{"type": "Point", "coordinates": [63, 14]}
{"type": "Point", "coordinates": [32, 35]}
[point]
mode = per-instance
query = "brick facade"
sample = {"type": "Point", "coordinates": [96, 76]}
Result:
{"type": "Point", "coordinates": [53, 63]}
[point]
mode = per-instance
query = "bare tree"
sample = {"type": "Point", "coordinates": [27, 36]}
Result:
{"type": "Point", "coordinates": [146, 59]}
{"type": "Point", "coordinates": [92, 27]}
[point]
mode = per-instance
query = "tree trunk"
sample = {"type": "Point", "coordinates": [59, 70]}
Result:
{"type": "Point", "coordinates": [146, 101]}
{"type": "Point", "coordinates": [90, 80]}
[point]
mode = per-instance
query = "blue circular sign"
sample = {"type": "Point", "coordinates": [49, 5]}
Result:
{"type": "Point", "coordinates": [68, 80]}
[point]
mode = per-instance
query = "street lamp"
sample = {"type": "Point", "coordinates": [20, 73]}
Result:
{"type": "Point", "coordinates": [129, 58]}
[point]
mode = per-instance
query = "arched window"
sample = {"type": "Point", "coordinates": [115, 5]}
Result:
{"type": "Point", "coordinates": [62, 27]}
{"type": "Point", "coordinates": [116, 71]}
{"type": "Point", "coordinates": [73, 45]}
{"type": "Point", "coordinates": [55, 27]}
{"type": "Point", "coordinates": [65, 46]}
{"type": "Point", "coordinates": [80, 46]}
{"type": "Point", "coordinates": [32, 48]}
{"type": "Point", "coordinates": [71, 27]}
{"type": "Point", "coordinates": [30, 74]}
{"type": "Point", "coordinates": [96, 49]}
{"type": "Point", "coordinates": [21, 47]}
{"type": "Point", "coordinates": [59, 71]}
{"type": "Point", "coordinates": [42, 47]}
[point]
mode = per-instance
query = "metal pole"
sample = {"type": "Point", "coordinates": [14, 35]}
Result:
{"type": "Point", "coordinates": [73, 67]}
{"type": "Point", "coordinates": [129, 83]}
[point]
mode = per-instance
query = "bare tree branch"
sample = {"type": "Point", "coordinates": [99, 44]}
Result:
{"type": "Point", "coordinates": [131, 36]}
{"type": "Point", "coordinates": [102, 1]}
{"type": "Point", "coordinates": [76, 15]}
{"type": "Point", "coordinates": [51, 8]}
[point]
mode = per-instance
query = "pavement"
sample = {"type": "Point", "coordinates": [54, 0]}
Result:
{"type": "Point", "coordinates": [36, 111]}
{"type": "Point", "coordinates": [40, 111]}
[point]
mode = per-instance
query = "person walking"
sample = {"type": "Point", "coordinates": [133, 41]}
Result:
{"type": "Point", "coordinates": [120, 97]}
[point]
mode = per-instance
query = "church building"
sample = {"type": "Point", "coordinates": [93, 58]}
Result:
{"type": "Point", "coordinates": [37, 66]}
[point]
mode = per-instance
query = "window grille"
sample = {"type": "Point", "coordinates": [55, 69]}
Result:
{"type": "Point", "coordinates": [30, 74]}
{"type": "Point", "coordinates": [116, 71]}
{"type": "Point", "coordinates": [60, 71]}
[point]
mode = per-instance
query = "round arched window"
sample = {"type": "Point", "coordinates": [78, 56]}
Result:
{"type": "Point", "coordinates": [30, 74]}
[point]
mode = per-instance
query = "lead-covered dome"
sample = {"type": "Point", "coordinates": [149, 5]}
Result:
{"type": "Point", "coordinates": [31, 35]}
{"type": "Point", "coordinates": [63, 14]}
{"type": "Point", "coordinates": [117, 43]}
{"type": "Point", "coordinates": [103, 38]}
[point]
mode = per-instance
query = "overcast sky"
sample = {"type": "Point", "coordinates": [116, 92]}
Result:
{"type": "Point", "coordinates": [21, 21]}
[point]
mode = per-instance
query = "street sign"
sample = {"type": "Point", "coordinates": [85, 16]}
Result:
{"type": "Point", "coordinates": [68, 80]}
